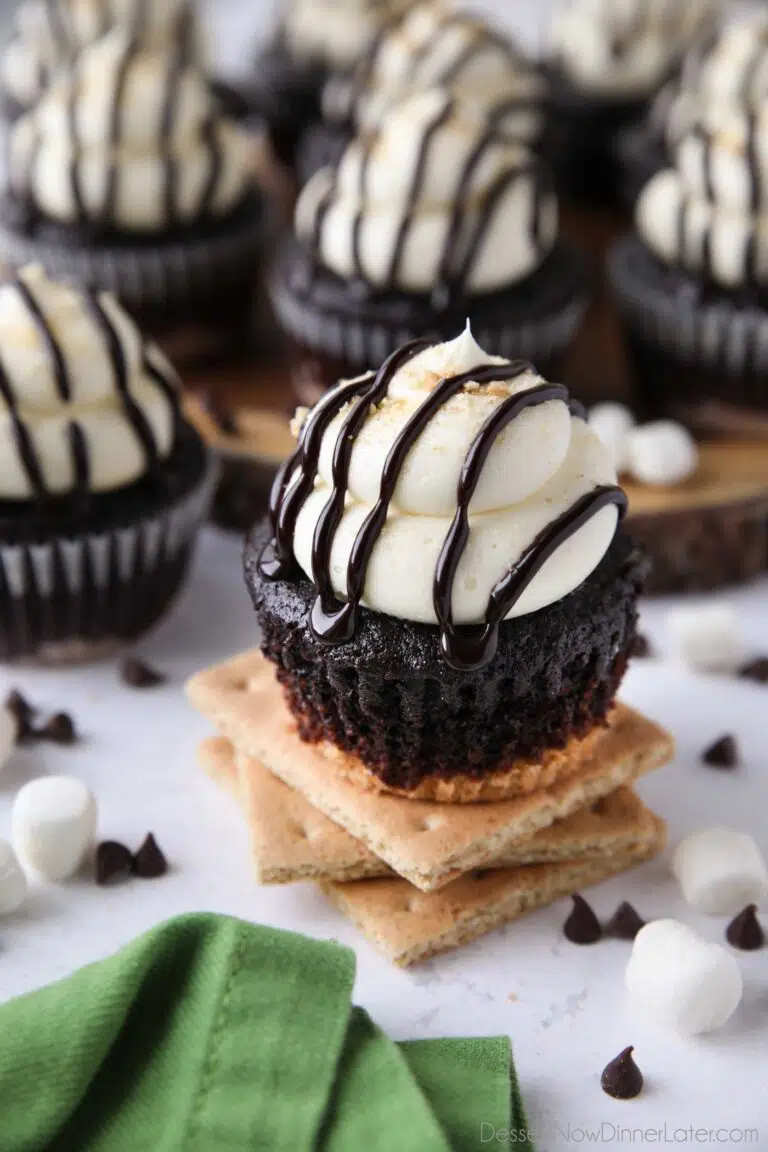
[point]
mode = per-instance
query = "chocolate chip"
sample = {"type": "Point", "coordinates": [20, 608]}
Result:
{"type": "Point", "coordinates": [149, 862]}
{"type": "Point", "coordinates": [625, 923]}
{"type": "Point", "coordinates": [60, 729]}
{"type": "Point", "coordinates": [641, 647]}
{"type": "Point", "coordinates": [724, 753]}
{"type": "Point", "coordinates": [622, 1078]}
{"type": "Point", "coordinates": [756, 670]}
{"type": "Point", "coordinates": [744, 931]}
{"type": "Point", "coordinates": [112, 859]}
{"type": "Point", "coordinates": [136, 674]}
{"type": "Point", "coordinates": [23, 713]}
{"type": "Point", "coordinates": [582, 926]}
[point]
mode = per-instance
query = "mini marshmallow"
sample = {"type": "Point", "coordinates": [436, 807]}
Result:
{"type": "Point", "coordinates": [13, 882]}
{"type": "Point", "coordinates": [681, 980]}
{"type": "Point", "coordinates": [661, 454]}
{"type": "Point", "coordinates": [720, 871]}
{"type": "Point", "coordinates": [8, 735]}
{"type": "Point", "coordinates": [53, 825]}
{"type": "Point", "coordinates": [613, 424]}
{"type": "Point", "coordinates": [709, 638]}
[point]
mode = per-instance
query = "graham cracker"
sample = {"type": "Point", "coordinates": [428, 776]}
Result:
{"type": "Point", "coordinates": [292, 841]}
{"type": "Point", "coordinates": [408, 926]}
{"type": "Point", "coordinates": [423, 841]}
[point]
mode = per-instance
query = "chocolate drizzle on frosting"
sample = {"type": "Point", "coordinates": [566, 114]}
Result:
{"type": "Point", "coordinates": [333, 621]}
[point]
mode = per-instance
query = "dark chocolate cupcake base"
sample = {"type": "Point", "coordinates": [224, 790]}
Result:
{"type": "Point", "coordinates": [339, 329]}
{"type": "Point", "coordinates": [389, 698]}
{"type": "Point", "coordinates": [284, 93]}
{"type": "Point", "coordinates": [639, 153]}
{"type": "Point", "coordinates": [321, 146]}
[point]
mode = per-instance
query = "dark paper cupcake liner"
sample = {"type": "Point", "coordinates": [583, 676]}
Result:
{"type": "Point", "coordinates": [160, 283]}
{"type": "Point", "coordinates": [388, 697]}
{"type": "Point", "coordinates": [73, 598]}
{"type": "Point", "coordinates": [694, 351]}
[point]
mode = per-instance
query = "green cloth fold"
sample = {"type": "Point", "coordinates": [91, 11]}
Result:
{"type": "Point", "coordinates": [212, 1035]}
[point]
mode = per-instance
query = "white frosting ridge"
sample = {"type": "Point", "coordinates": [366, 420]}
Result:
{"type": "Point", "coordinates": [336, 32]}
{"type": "Point", "coordinates": [435, 46]}
{"type": "Point", "coordinates": [385, 215]}
{"type": "Point", "coordinates": [623, 48]}
{"type": "Point", "coordinates": [129, 137]}
{"type": "Point", "coordinates": [540, 465]}
{"type": "Point", "coordinates": [30, 392]}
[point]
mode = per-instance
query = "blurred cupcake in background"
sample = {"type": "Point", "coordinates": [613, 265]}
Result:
{"type": "Point", "coordinates": [432, 45]}
{"type": "Point", "coordinates": [102, 485]}
{"type": "Point", "coordinates": [608, 59]}
{"type": "Point", "coordinates": [692, 284]}
{"type": "Point", "coordinates": [49, 34]}
{"type": "Point", "coordinates": [435, 217]}
{"type": "Point", "coordinates": [314, 39]}
{"type": "Point", "coordinates": [127, 177]}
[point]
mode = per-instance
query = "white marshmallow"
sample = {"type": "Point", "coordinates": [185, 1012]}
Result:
{"type": "Point", "coordinates": [13, 882]}
{"type": "Point", "coordinates": [613, 424]}
{"type": "Point", "coordinates": [709, 638]}
{"type": "Point", "coordinates": [681, 980]}
{"type": "Point", "coordinates": [8, 734]}
{"type": "Point", "coordinates": [720, 871]}
{"type": "Point", "coordinates": [53, 825]}
{"type": "Point", "coordinates": [662, 454]}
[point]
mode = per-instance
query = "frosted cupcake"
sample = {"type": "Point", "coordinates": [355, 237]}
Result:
{"type": "Point", "coordinates": [314, 39]}
{"type": "Point", "coordinates": [434, 217]}
{"type": "Point", "coordinates": [441, 588]}
{"type": "Point", "coordinates": [431, 46]}
{"type": "Point", "coordinates": [102, 485]}
{"type": "Point", "coordinates": [126, 177]}
{"type": "Point", "coordinates": [608, 60]}
{"type": "Point", "coordinates": [692, 284]}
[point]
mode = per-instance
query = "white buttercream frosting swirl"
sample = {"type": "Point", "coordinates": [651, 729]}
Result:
{"type": "Point", "coordinates": [539, 467]}
{"type": "Point", "coordinates": [336, 32]}
{"type": "Point", "coordinates": [70, 361]}
{"type": "Point", "coordinates": [435, 46]}
{"type": "Point", "coordinates": [435, 196]}
{"type": "Point", "coordinates": [50, 33]}
{"type": "Point", "coordinates": [624, 48]}
{"type": "Point", "coordinates": [129, 138]}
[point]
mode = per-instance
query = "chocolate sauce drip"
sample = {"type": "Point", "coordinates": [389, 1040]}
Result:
{"type": "Point", "coordinates": [24, 443]}
{"type": "Point", "coordinates": [334, 621]}
{"type": "Point", "coordinates": [60, 370]}
{"type": "Point", "coordinates": [115, 115]}
{"type": "Point", "coordinates": [81, 459]}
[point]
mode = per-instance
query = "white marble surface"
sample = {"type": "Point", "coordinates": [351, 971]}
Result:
{"type": "Point", "coordinates": [564, 1007]}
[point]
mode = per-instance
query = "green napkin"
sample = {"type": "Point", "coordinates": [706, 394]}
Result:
{"type": "Point", "coordinates": [212, 1035]}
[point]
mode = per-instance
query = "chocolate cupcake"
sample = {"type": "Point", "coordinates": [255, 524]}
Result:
{"type": "Point", "coordinates": [431, 46]}
{"type": "Point", "coordinates": [102, 485]}
{"type": "Point", "coordinates": [434, 217]}
{"type": "Point", "coordinates": [126, 177]}
{"type": "Point", "coordinates": [314, 39]}
{"type": "Point", "coordinates": [608, 60]}
{"type": "Point", "coordinates": [441, 588]}
{"type": "Point", "coordinates": [691, 284]}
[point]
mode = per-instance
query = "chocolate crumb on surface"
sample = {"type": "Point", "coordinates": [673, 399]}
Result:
{"type": "Point", "coordinates": [582, 926]}
{"type": "Point", "coordinates": [112, 860]}
{"type": "Point", "coordinates": [59, 729]}
{"type": "Point", "coordinates": [223, 417]}
{"type": "Point", "coordinates": [625, 923]}
{"type": "Point", "coordinates": [149, 862]}
{"type": "Point", "coordinates": [756, 670]}
{"type": "Point", "coordinates": [724, 753]}
{"type": "Point", "coordinates": [641, 647]}
{"type": "Point", "coordinates": [136, 674]}
{"type": "Point", "coordinates": [745, 931]}
{"type": "Point", "coordinates": [621, 1078]}
{"type": "Point", "coordinates": [23, 713]}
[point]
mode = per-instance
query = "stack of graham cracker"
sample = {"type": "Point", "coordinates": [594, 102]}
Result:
{"type": "Point", "coordinates": [418, 876]}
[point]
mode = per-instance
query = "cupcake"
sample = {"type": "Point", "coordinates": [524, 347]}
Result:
{"type": "Point", "coordinates": [691, 284]}
{"type": "Point", "coordinates": [102, 485]}
{"type": "Point", "coordinates": [314, 39]}
{"type": "Point", "coordinates": [126, 177]}
{"type": "Point", "coordinates": [441, 586]}
{"type": "Point", "coordinates": [433, 217]}
{"type": "Point", "coordinates": [431, 46]}
{"type": "Point", "coordinates": [49, 34]}
{"type": "Point", "coordinates": [608, 59]}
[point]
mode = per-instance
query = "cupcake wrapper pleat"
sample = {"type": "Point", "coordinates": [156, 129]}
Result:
{"type": "Point", "coordinates": [64, 598]}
